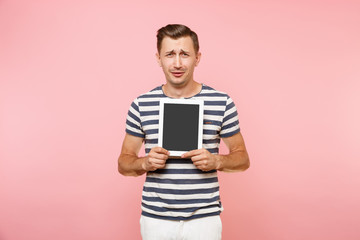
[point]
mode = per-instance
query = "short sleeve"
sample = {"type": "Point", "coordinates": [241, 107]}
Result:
{"type": "Point", "coordinates": [133, 122]}
{"type": "Point", "coordinates": [230, 123]}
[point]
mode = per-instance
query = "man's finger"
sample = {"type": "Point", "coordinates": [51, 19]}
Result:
{"type": "Point", "coordinates": [197, 158]}
{"type": "Point", "coordinates": [157, 161]}
{"type": "Point", "coordinates": [159, 156]}
{"type": "Point", "coordinates": [157, 166]}
{"type": "Point", "coordinates": [160, 150]}
{"type": "Point", "coordinates": [191, 153]}
{"type": "Point", "coordinates": [198, 163]}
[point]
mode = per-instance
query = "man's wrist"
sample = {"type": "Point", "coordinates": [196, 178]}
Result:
{"type": "Point", "coordinates": [141, 168]}
{"type": "Point", "coordinates": [219, 162]}
{"type": "Point", "coordinates": [143, 164]}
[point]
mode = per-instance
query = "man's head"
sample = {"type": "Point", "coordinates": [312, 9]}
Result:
{"type": "Point", "coordinates": [178, 54]}
{"type": "Point", "coordinates": [176, 31]}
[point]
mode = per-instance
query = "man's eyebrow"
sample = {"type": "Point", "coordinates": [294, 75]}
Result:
{"type": "Point", "coordinates": [181, 50]}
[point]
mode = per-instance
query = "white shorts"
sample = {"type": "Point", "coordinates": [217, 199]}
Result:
{"type": "Point", "coordinates": [207, 228]}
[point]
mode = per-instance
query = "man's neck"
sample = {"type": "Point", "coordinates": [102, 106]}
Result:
{"type": "Point", "coordinates": [189, 90]}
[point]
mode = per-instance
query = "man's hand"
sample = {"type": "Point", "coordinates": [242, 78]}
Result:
{"type": "Point", "coordinates": [155, 159]}
{"type": "Point", "coordinates": [203, 159]}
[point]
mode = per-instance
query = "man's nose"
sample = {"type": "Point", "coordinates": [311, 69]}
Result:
{"type": "Point", "coordinates": [177, 61]}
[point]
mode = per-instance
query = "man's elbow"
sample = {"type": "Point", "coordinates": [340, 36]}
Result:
{"type": "Point", "coordinates": [246, 165]}
{"type": "Point", "coordinates": [121, 168]}
{"type": "Point", "coordinates": [126, 172]}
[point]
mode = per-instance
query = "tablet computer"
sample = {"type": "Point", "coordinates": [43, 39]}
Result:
{"type": "Point", "coordinates": [181, 125]}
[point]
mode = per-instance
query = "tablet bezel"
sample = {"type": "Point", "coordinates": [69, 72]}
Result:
{"type": "Point", "coordinates": [200, 103]}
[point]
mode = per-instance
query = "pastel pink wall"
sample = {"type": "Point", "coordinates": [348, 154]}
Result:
{"type": "Point", "coordinates": [70, 69]}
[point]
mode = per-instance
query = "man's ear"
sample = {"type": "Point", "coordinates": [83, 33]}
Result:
{"type": "Point", "coordinates": [198, 56]}
{"type": "Point", "coordinates": [158, 58]}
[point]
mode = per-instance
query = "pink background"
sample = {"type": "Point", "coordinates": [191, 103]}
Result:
{"type": "Point", "coordinates": [70, 69]}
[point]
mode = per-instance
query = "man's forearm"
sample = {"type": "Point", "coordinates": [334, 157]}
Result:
{"type": "Point", "coordinates": [130, 165]}
{"type": "Point", "coordinates": [233, 162]}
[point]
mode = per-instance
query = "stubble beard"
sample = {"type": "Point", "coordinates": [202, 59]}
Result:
{"type": "Point", "coordinates": [178, 84]}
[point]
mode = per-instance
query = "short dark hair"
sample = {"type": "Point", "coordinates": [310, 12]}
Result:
{"type": "Point", "coordinates": [176, 31]}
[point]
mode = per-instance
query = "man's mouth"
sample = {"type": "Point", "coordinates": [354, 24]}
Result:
{"type": "Point", "coordinates": [177, 74]}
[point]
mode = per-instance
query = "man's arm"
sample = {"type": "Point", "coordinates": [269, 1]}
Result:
{"type": "Point", "coordinates": [236, 160]}
{"type": "Point", "coordinates": [129, 164]}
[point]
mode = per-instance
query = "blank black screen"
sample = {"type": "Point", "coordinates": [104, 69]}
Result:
{"type": "Point", "coordinates": [181, 126]}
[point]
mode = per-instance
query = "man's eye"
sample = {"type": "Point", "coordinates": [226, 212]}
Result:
{"type": "Point", "coordinates": [185, 54]}
{"type": "Point", "coordinates": [169, 54]}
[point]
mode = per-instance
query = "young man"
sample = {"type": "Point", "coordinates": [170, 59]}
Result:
{"type": "Point", "coordinates": [180, 197]}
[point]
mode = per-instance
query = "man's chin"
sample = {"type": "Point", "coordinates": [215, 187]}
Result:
{"type": "Point", "coordinates": [177, 82]}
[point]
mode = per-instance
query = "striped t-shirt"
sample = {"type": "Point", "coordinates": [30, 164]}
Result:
{"type": "Point", "coordinates": [180, 191]}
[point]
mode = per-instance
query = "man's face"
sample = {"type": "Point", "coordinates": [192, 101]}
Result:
{"type": "Point", "coordinates": [178, 60]}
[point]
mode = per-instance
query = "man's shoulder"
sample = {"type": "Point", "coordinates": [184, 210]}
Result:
{"type": "Point", "coordinates": [153, 93]}
{"type": "Point", "coordinates": [207, 90]}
